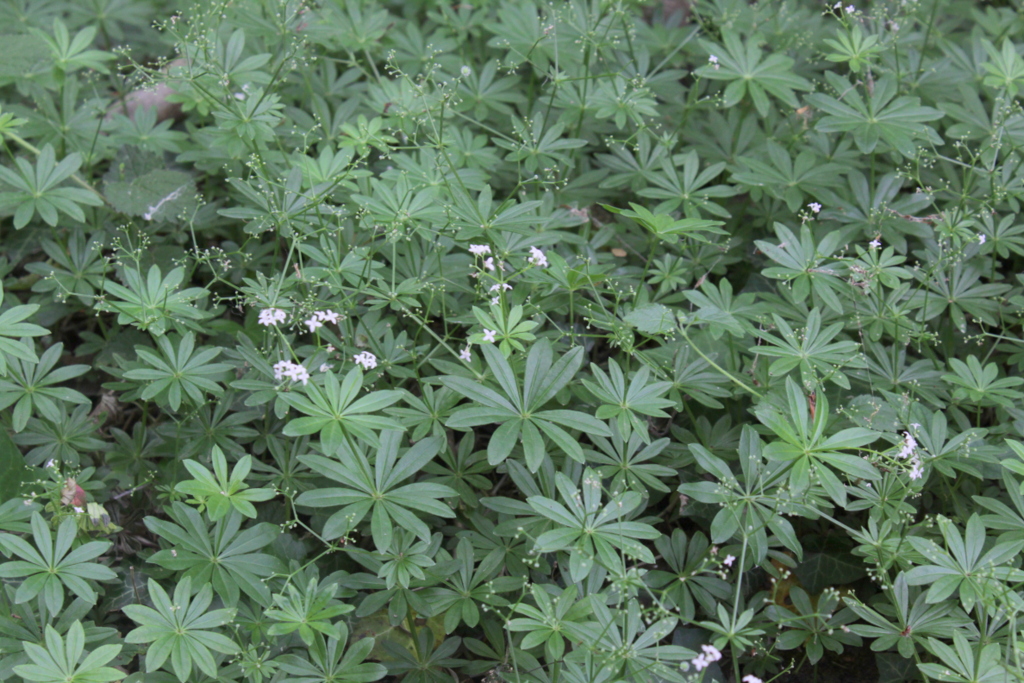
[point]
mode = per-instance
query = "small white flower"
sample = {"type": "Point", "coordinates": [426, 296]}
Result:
{"type": "Point", "coordinates": [711, 653]}
{"type": "Point", "coordinates": [313, 324]}
{"type": "Point", "coordinates": [838, 5]}
{"type": "Point", "coordinates": [909, 445]}
{"type": "Point", "coordinates": [917, 471]}
{"type": "Point", "coordinates": [50, 463]}
{"type": "Point", "coordinates": [751, 678]}
{"type": "Point", "coordinates": [501, 286]}
{"type": "Point", "coordinates": [981, 239]}
{"type": "Point", "coordinates": [479, 249]}
{"type": "Point", "coordinates": [365, 359]}
{"type": "Point", "coordinates": [496, 301]}
{"type": "Point", "coordinates": [489, 336]}
{"type": "Point", "coordinates": [327, 317]}
{"type": "Point", "coordinates": [324, 367]}
{"type": "Point", "coordinates": [280, 367]}
{"type": "Point", "coordinates": [814, 206]}
{"type": "Point", "coordinates": [298, 373]}
{"type": "Point", "coordinates": [78, 509]}
{"type": "Point", "coordinates": [285, 369]}
{"type": "Point", "coordinates": [850, 9]}
{"type": "Point", "coordinates": [875, 243]}
{"type": "Point", "coordinates": [465, 354]}
{"type": "Point", "coordinates": [712, 60]}
{"type": "Point", "coordinates": [489, 263]}
{"type": "Point", "coordinates": [272, 316]}
{"type": "Point", "coordinates": [466, 71]}
{"type": "Point", "coordinates": [729, 559]}
{"type": "Point", "coordinates": [700, 662]}
{"type": "Point", "coordinates": [538, 258]}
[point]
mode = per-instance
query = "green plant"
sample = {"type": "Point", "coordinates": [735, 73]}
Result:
{"type": "Point", "coordinates": [580, 342]}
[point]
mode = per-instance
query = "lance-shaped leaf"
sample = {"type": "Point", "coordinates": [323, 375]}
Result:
{"type": "Point", "coordinates": [223, 555]}
{"type": "Point", "coordinates": [52, 564]}
{"type": "Point", "coordinates": [897, 121]}
{"type": "Point", "coordinates": [220, 492]}
{"type": "Point", "coordinates": [335, 411]}
{"type": "Point", "coordinates": [181, 629]}
{"type": "Point", "coordinates": [375, 489]}
{"type": "Point", "coordinates": [518, 409]}
{"type": "Point", "coordinates": [588, 530]}
{"type": "Point", "coordinates": [60, 661]}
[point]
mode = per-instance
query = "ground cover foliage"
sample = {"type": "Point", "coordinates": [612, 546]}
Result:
{"type": "Point", "coordinates": [510, 341]}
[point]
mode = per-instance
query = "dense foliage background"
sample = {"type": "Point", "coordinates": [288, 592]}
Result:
{"type": "Point", "coordinates": [510, 340]}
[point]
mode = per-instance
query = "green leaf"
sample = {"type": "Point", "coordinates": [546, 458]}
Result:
{"type": "Point", "coordinates": [157, 195]}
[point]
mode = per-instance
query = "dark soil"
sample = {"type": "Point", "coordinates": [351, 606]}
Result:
{"type": "Point", "coordinates": [853, 666]}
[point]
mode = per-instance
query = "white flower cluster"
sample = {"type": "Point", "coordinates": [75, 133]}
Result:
{"type": "Point", "coordinates": [321, 317]}
{"type": "Point", "coordinates": [908, 453]}
{"type": "Point", "coordinates": [751, 678]}
{"type": "Point", "coordinates": [710, 654]}
{"type": "Point", "coordinates": [537, 257]}
{"type": "Point", "coordinates": [293, 371]}
{"type": "Point", "coordinates": [365, 359]}
{"type": "Point", "coordinates": [272, 316]}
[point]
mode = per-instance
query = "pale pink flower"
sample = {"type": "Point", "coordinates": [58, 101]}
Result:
{"type": "Point", "coordinates": [729, 559]}
{"type": "Point", "coordinates": [814, 206]}
{"type": "Point", "coordinates": [479, 249]}
{"type": "Point", "coordinates": [313, 324]}
{"type": "Point", "coordinates": [489, 263]}
{"type": "Point", "coordinates": [489, 336]}
{"type": "Point", "coordinates": [465, 354]}
{"type": "Point", "coordinates": [875, 243]}
{"type": "Point", "coordinates": [538, 258]}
